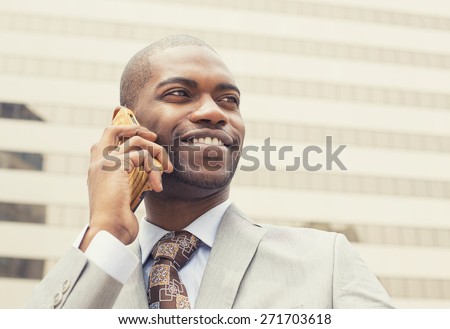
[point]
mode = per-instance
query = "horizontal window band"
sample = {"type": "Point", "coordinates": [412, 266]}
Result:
{"type": "Point", "coordinates": [17, 111]}
{"type": "Point", "coordinates": [306, 47]}
{"type": "Point", "coordinates": [333, 11]}
{"type": "Point", "coordinates": [329, 182]}
{"type": "Point", "coordinates": [21, 268]}
{"type": "Point", "coordinates": [308, 89]}
{"type": "Point", "coordinates": [416, 288]}
{"type": "Point", "coordinates": [374, 234]}
{"type": "Point", "coordinates": [22, 212]}
{"type": "Point", "coordinates": [297, 132]}
{"type": "Point", "coordinates": [21, 160]}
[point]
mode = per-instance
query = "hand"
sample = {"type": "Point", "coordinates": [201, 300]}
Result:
{"type": "Point", "coordinates": [108, 179]}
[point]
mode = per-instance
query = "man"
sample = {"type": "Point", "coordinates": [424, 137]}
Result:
{"type": "Point", "coordinates": [187, 102]}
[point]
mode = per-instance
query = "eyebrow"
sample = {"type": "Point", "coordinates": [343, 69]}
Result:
{"type": "Point", "coordinates": [180, 80]}
{"type": "Point", "coordinates": [227, 86]}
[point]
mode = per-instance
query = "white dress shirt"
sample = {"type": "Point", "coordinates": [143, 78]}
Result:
{"type": "Point", "coordinates": [114, 258]}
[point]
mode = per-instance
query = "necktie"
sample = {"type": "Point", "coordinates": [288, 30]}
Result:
{"type": "Point", "coordinates": [171, 253]}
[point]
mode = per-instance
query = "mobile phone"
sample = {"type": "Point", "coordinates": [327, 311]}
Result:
{"type": "Point", "coordinates": [138, 178]}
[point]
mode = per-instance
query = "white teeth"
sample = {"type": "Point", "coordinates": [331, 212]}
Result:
{"type": "Point", "coordinates": [207, 140]}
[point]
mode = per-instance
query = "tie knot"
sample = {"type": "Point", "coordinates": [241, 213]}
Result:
{"type": "Point", "coordinates": [177, 247]}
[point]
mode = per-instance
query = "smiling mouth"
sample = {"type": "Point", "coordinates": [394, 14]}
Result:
{"type": "Point", "coordinates": [207, 137]}
{"type": "Point", "coordinates": [206, 141]}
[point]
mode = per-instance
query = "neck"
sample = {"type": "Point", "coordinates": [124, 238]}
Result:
{"type": "Point", "coordinates": [174, 214]}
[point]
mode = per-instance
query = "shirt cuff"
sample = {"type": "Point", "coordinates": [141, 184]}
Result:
{"type": "Point", "coordinates": [111, 255]}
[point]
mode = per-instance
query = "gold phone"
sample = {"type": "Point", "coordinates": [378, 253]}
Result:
{"type": "Point", "coordinates": [138, 178]}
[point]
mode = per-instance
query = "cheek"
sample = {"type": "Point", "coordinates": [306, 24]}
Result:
{"type": "Point", "coordinates": [167, 128]}
{"type": "Point", "coordinates": [157, 121]}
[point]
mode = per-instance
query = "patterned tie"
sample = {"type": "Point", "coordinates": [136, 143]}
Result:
{"type": "Point", "coordinates": [171, 253]}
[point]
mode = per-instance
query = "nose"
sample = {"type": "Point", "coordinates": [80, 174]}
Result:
{"type": "Point", "coordinates": [209, 112]}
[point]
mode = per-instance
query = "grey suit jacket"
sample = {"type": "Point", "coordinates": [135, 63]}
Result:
{"type": "Point", "coordinates": [250, 266]}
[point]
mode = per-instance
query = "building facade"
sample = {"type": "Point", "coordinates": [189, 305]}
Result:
{"type": "Point", "coordinates": [372, 75]}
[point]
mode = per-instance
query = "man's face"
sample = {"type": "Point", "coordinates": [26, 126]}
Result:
{"type": "Point", "coordinates": [192, 104]}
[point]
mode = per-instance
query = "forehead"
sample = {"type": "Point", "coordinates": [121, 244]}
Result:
{"type": "Point", "coordinates": [193, 62]}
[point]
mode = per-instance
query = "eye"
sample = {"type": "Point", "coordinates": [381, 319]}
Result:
{"type": "Point", "coordinates": [176, 95]}
{"type": "Point", "coordinates": [230, 99]}
{"type": "Point", "coordinates": [177, 92]}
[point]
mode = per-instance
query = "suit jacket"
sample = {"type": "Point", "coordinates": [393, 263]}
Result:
{"type": "Point", "coordinates": [250, 266]}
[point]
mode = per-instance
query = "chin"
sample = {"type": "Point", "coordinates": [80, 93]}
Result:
{"type": "Point", "coordinates": [207, 175]}
{"type": "Point", "coordinates": [207, 181]}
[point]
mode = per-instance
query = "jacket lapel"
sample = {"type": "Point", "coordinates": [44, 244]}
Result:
{"type": "Point", "coordinates": [236, 242]}
{"type": "Point", "coordinates": [133, 294]}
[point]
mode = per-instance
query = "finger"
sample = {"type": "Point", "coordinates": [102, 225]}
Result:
{"type": "Point", "coordinates": [156, 151]}
{"type": "Point", "coordinates": [155, 180]}
{"type": "Point", "coordinates": [134, 159]}
{"type": "Point", "coordinates": [163, 162]}
{"type": "Point", "coordinates": [131, 163]}
{"type": "Point", "coordinates": [137, 142]}
{"type": "Point", "coordinates": [115, 135]}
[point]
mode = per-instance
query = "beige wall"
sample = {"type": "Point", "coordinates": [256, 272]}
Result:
{"type": "Point", "coordinates": [372, 74]}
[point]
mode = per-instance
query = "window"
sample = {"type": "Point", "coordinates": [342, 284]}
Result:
{"type": "Point", "coordinates": [14, 212]}
{"type": "Point", "coordinates": [21, 160]}
{"type": "Point", "coordinates": [17, 111]}
{"type": "Point", "coordinates": [21, 268]}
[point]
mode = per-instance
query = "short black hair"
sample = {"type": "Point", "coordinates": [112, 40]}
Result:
{"type": "Point", "coordinates": [138, 69]}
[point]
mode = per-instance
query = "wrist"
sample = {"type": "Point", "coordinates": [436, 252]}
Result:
{"type": "Point", "coordinates": [120, 232]}
{"type": "Point", "coordinates": [87, 238]}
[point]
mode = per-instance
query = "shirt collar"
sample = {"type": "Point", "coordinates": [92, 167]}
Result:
{"type": "Point", "coordinates": [204, 227]}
